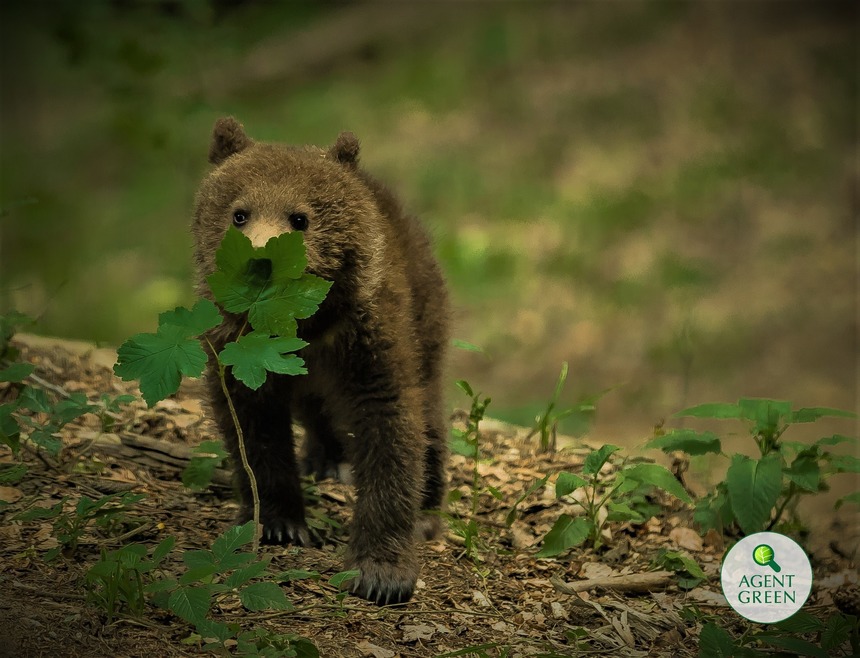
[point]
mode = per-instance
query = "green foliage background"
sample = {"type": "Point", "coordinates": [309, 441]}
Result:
{"type": "Point", "coordinates": [661, 193]}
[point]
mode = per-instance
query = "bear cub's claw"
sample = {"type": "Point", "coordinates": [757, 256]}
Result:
{"type": "Point", "coordinates": [283, 531]}
{"type": "Point", "coordinates": [383, 583]}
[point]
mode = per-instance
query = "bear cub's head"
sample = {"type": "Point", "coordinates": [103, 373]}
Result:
{"type": "Point", "coordinates": [267, 189]}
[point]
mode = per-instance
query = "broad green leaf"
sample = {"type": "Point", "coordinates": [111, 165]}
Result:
{"type": "Point", "coordinates": [213, 630]}
{"type": "Point", "coordinates": [73, 407]}
{"type": "Point", "coordinates": [567, 483]}
{"type": "Point", "coordinates": [343, 577]}
{"type": "Point", "coordinates": [657, 476]}
{"type": "Point", "coordinates": [304, 648]}
{"type": "Point", "coordinates": [597, 458]}
{"type": "Point", "coordinates": [35, 399]}
{"type": "Point", "coordinates": [796, 646]}
{"type": "Point", "coordinates": [689, 441]}
{"type": "Point", "coordinates": [620, 512]}
{"type": "Point", "coordinates": [40, 513]}
{"type": "Point", "coordinates": [190, 603]}
{"type": "Point", "coordinates": [159, 360]}
{"type": "Point", "coordinates": [234, 561]}
{"type": "Point", "coordinates": [234, 538]}
{"type": "Point", "coordinates": [811, 414]}
{"type": "Point", "coordinates": [566, 533]}
{"type": "Point", "coordinates": [714, 642]}
{"type": "Point", "coordinates": [12, 473]}
{"type": "Point", "coordinates": [844, 464]}
{"type": "Point", "coordinates": [199, 471]}
{"type": "Point", "coordinates": [242, 576]}
{"type": "Point", "coordinates": [837, 631]}
{"type": "Point", "coordinates": [464, 386]}
{"type": "Point", "coordinates": [256, 353]}
{"type": "Point", "coordinates": [163, 585]}
{"type": "Point", "coordinates": [766, 414]}
{"type": "Point", "coordinates": [460, 446]}
{"type": "Point", "coordinates": [163, 549]}
{"type": "Point", "coordinates": [804, 472]}
{"type": "Point", "coordinates": [264, 596]}
{"type": "Point", "coordinates": [44, 438]}
{"type": "Point", "coordinates": [204, 315]}
{"type": "Point", "coordinates": [801, 622]}
{"type": "Point", "coordinates": [720, 410]}
{"type": "Point", "coordinates": [268, 283]}
{"type": "Point", "coordinates": [754, 486]}
{"type": "Point", "coordinates": [17, 372]}
{"type": "Point", "coordinates": [853, 497]}
{"type": "Point", "coordinates": [197, 558]}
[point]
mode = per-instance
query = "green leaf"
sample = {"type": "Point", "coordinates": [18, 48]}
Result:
{"type": "Point", "coordinates": [720, 410]}
{"type": "Point", "coordinates": [343, 577]}
{"type": "Point", "coordinates": [567, 483]}
{"type": "Point", "coordinates": [35, 399]}
{"type": "Point", "coordinates": [597, 458]}
{"type": "Point", "coordinates": [566, 533]}
{"type": "Point", "coordinates": [796, 646]}
{"type": "Point", "coordinates": [805, 473]}
{"type": "Point", "coordinates": [657, 476]}
{"type": "Point", "coordinates": [714, 642]}
{"type": "Point", "coordinates": [268, 282]}
{"type": "Point", "coordinates": [465, 345]}
{"type": "Point", "coordinates": [12, 473]}
{"type": "Point", "coordinates": [844, 464]}
{"type": "Point", "coordinates": [198, 558]}
{"type": "Point", "coordinates": [620, 512]}
{"type": "Point", "coordinates": [234, 538]}
{"type": "Point", "coordinates": [801, 622]}
{"type": "Point", "coordinates": [75, 406]}
{"type": "Point", "coordinates": [837, 631]}
{"type": "Point", "coordinates": [766, 414]}
{"type": "Point", "coordinates": [216, 630]}
{"type": "Point", "coordinates": [256, 353]}
{"type": "Point", "coordinates": [464, 386]}
{"type": "Point", "coordinates": [689, 441]}
{"type": "Point", "coordinates": [835, 440]}
{"type": "Point", "coordinates": [853, 497]}
{"type": "Point", "coordinates": [264, 596]}
{"type": "Point", "coordinates": [811, 414]}
{"type": "Point", "coordinates": [163, 549]}
{"type": "Point", "coordinates": [44, 438]}
{"type": "Point", "coordinates": [754, 486]}
{"type": "Point", "coordinates": [190, 603]}
{"type": "Point", "coordinates": [17, 372]}
{"type": "Point", "coordinates": [159, 360]}
{"type": "Point", "coordinates": [242, 576]}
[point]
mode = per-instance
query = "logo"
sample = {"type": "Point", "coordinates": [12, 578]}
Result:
{"type": "Point", "coordinates": [766, 577]}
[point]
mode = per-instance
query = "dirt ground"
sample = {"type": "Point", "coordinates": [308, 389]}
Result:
{"type": "Point", "coordinates": [501, 600]}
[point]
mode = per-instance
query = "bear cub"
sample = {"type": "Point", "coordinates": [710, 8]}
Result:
{"type": "Point", "coordinates": [373, 393]}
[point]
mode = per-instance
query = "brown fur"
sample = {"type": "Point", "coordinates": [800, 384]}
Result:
{"type": "Point", "coordinates": [373, 392]}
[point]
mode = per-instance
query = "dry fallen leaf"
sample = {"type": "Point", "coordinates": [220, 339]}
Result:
{"type": "Point", "coordinates": [10, 494]}
{"type": "Point", "coordinates": [686, 538]}
{"type": "Point", "coordinates": [415, 632]}
{"type": "Point", "coordinates": [368, 649]}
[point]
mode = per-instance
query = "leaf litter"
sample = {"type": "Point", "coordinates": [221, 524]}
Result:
{"type": "Point", "coordinates": [498, 597]}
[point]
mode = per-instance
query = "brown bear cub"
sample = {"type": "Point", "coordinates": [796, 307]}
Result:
{"type": "Point", "coordinates": [373, 392]}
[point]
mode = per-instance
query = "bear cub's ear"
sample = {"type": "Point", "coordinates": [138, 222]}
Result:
{"type": "Point", "coordinates": [228, 137]}
{"type": "Point", "coordinates": [345, 149]}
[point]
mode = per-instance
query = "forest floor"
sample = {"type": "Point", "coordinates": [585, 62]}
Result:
{"type": "Point", "coordinates": [495, 600]}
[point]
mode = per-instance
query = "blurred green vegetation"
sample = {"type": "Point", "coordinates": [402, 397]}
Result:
{"type": "Point", "coordinates": [659, 193]}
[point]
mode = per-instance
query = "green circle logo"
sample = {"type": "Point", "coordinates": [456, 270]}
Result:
{"type": "Point", "coordinates": [766, 577]}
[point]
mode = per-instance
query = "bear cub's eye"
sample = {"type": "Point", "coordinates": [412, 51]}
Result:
{"type": "Point", "coordinates": [240, 217]}
{"type": "Point", "coordinates": [298, 220]}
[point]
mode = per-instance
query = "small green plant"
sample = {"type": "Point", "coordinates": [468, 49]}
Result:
{"type": "Point", "coordinates": [762, 493]}
{"type": "Point", "coordinates": [618, 493]}
{"type": "Point", "coordinates": [115, 583]}
{"type": "Point", "coordinates": [208, 456]}
{"type": "Point", "coordinates": [107, 513]}
{"type": "Point", "coordinates": [214, 576]}
{"type": "Point", "coordinates": [802, 634]}
{"type": "Point", "coordinates": [268, 284]}
{"type": "Point", "coordinates": [468, 443]}
{"type": "Point", "coordinates": [689, 572]}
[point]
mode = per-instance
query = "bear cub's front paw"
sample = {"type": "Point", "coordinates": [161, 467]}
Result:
{"type": "Point", "coordinates": [279, 529]}
{"type": "Point", "coordinates": [383, 583]}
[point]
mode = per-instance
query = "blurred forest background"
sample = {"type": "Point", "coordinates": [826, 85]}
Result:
{"type": "Point", "coordinates": [662, 193]}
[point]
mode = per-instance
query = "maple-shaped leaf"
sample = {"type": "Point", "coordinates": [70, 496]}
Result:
{"type": "Point", "coordinates": [159, 360]}
{"type": "Point", "coordinates": [256, 353]}
{"type": "Point", "coordinates": [269, 283]}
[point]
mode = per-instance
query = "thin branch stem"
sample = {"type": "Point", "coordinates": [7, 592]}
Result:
{"type": "Point", "coordinates": [252, 479]}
